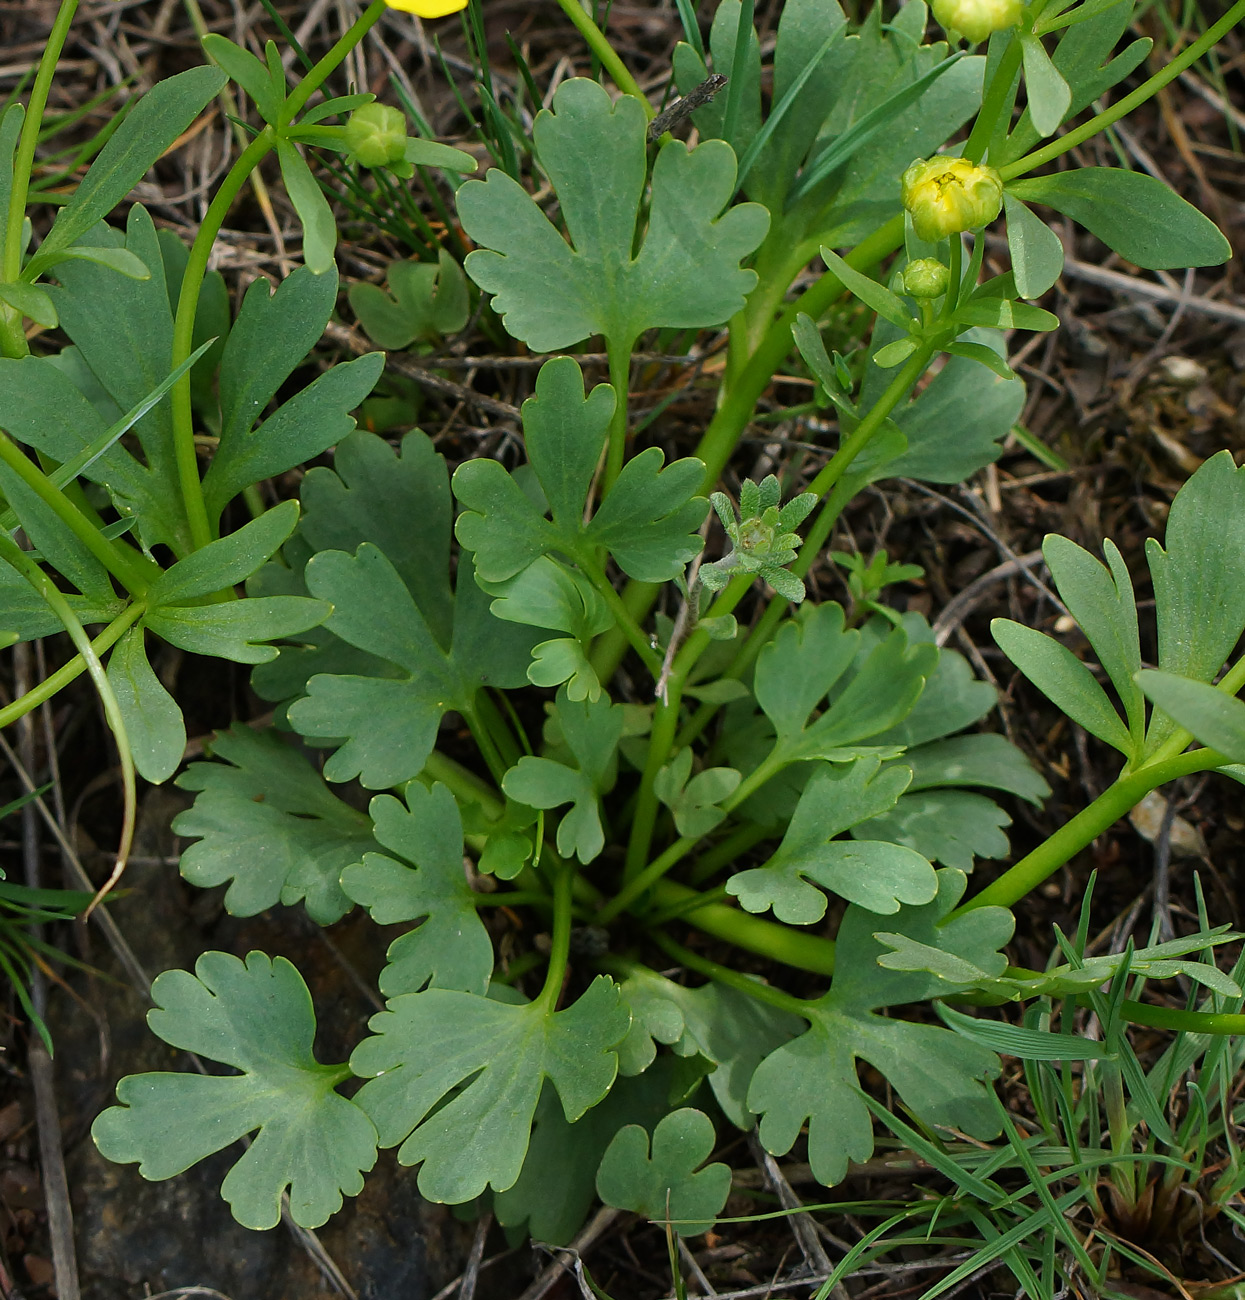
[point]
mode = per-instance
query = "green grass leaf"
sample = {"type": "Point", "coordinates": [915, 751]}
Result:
{"type": "Point", "coordinates": [257, 1018]}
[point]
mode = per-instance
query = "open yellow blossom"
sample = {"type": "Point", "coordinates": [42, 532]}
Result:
{"type": "Point", "coordinates": [947, 195]}
{"type": "Point", "coordinates": [428, 8]}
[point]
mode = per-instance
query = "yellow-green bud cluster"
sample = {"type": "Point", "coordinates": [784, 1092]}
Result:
{"type": "Point", "coordinates": [927, 277]}
{"type": "Point", "coordinates": [376, 135]}
{"type": "Point", "coordinates": [977, 20]}
{"type": "Point", "coordinates": [947, 195]}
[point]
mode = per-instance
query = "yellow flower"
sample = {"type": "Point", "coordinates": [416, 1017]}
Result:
{"type": "Point", "coordinates": [428, 8]}
{"type": "Point", "coordinates": [947, 195]}
{"type": "Point", "coordinates": [977, 19]}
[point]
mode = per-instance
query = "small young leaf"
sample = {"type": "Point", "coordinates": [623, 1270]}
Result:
{"type": "Point", "coordinates": [1213, 716]}
{"type": "Point", "coordinates": [874, 874]}
{"type": "Point", "coordinates": [1101, 600]}
{"type": "Point", "coordinates": [451, 948]}
{"type": "Point", "coordinates": [1049, 94]}
{"type": "Point", "coordinates": [592, 731]}
{"type": "Point", "coordinates": [669, 1186]}
{"type": "Point", "coordinates": [455, 1079]}
{"type": "Point", "coordinates": [248, 71]}
{"type": "Point", "coordinates": [228, 561]}
{"type": "Point", "coordinates": [1136, 215]}
{"type": "Point", "coordinates": [314, 213]}
{"type": "Point", "coordinates": [31, 301]}
{"type": "Point", "coordinates": [427, 302]}
{"type": "Point", "coordinates": [265, 821]}
{"type": "Point", "coordinates": [1036, 251]}
{"type": "Point", "coordinates": [152, 718]}
{"type": "Point", "coordinates": [1062, 677]}
{"type": "Point", "coordinates": [694, 801]}
{"type": "Point", "coordinates": [239, 629]}
{"type": "Point", "coordinates": [258, 1018]}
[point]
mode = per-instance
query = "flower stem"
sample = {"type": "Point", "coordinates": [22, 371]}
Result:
{"type": "Point", "coordinates": [1114, 802]}
{"type": "Point", "coordinates": [326, 66]}
{"type": "Point", "coordinates": [135, 571]}
{"type": "Point", "coordinates": [599, 44]}
{"type": "Point", "coordinates": [183, 334]}
{"type": "Point", "coordinates": [1147, 90]}
{"type": "Point", "coordinates": [12, 337]}
{"type": "Point", "coordinates": [67, 673]}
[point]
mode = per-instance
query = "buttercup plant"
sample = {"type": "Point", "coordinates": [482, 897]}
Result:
{"type": "Point", "coordinates": [641, 765]}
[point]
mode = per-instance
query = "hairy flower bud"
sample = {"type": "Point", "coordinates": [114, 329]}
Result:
{"type": "Point", "coordinates": [428, 8]}
{"type": "Point", "coordinates": [947, 195]}
{"type": "Point", "coordinates": [376, 135]}
{"type": "Point", "coordinates": [977, 19]}
{"type": "Point", "coordinates": [927, 277]}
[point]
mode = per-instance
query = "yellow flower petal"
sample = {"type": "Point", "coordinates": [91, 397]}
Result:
{"type": "Point", "coordinates": [428, 8]}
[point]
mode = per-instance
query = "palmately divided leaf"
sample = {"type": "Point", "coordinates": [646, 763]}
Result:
{"type": "Point", "coordinates": [265, 820]}
{"type": "Point", "coordinates": [947, 826]}
{"type": "Point", "coordinates": [812, 1080]}
{"type": "Point", "coordinates": [728, 1028]}
{"type": "Point", "coordinates": [667, 1186]}
{"type": "Point", "coordinates": [483, 1064]}
{"type": "Point", "coordinates": [451, 948]}
{"type": "Point", "coordinates": [980, 758]}
{"type": "Point", "coordinates": [691, 799]}
{"type": "Point", "coordinates": [592, 730]}
{"type": "Point", "coordinates": [648, 522]}
{"type": "Point", "coordinates": [257, 1018]}
{"type": "Point", "coordinates": [553, 294]}
{"type": "Point", "coordinates": [872, 873]}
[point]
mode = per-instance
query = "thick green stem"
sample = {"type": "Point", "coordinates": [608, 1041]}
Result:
{"type": "Point", "coordinates": [1147, 90]}
{"type": "Point", "coordinates": [67, 673]}
{"type": "Point", "coordinates": [665, 724]}
{"type": "Point", "coordinates": [993, 102]}
{"type": "Point", "coordinates": [752, 933]}
{"type": "Point", "coordinates": [560, 936]}
{"type": "Point", "coordinates": [642, 882]}
{"type": "Point", "coordinates": [620, 377]}
{"type": "Point", "coordinates": [623, 616]}
{"type": "Point", "coordinates": [599, 44]}
{"type": "Point", "coordinates": [12, 337]}
{"type": "Point", "coordinates": [135, 571]}
{"type": "Point", "coordinates": [727, 851]}
{"type": "Point", "coordinates": [183, 333]}
{"type": "Point", "coordinates": [733, 979]}
{"type": "Point", "coordinates": [1114, 802]}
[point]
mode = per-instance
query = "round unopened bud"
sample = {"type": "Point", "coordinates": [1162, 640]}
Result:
{"type": "Point", "coordinates": [947, 195]}
{"type": "Point", "coordinates": [977, 19]}
{"type": "Point", "coordinates": [926, 278]}
{"type": "Point", "coordinates": [376, 135]}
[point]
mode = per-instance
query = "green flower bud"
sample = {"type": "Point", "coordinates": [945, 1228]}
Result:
{"type": "Point", "coordinates": [947, 195]}
{"type": "Point", "coordinates": [925, 278]}
{"type": "Point", "coordinates": [977, 19]}
{"type": "Point", "coordinates": [376, 135]}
